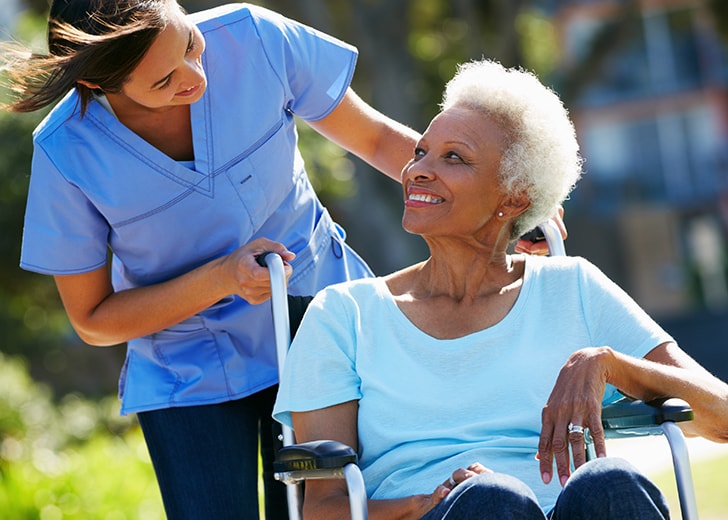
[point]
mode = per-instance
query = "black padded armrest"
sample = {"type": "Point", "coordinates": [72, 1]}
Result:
{"type": "Point", "coordinates": [627, 413]}
{"type": "Point", "coordinates": [297, 306]}
{"type": "Point", "coordinates": [314, 455]}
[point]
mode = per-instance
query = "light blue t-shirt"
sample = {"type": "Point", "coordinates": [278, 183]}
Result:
{"type": "Point", "coordinates": [95, 186]}
{"type": "Point", "coordinates": [430, 406]}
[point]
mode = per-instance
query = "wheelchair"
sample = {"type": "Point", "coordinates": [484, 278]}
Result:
{"type": "Point", "coordinates": [325, 459]}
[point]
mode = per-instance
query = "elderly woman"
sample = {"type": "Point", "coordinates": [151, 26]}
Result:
{"type": "Point", "coordinates": [439, 372]}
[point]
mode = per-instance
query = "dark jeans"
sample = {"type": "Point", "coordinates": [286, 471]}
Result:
{"type": "Point", "coordinates": [206, 458]}
{"type": "Point", "coordinates": [603, 489]}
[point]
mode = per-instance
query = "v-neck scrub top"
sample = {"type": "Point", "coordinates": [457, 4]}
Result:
{"type": "Point", "coordinates": [96, 186]}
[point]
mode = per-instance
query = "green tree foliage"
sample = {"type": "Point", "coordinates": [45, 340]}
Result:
{"type": "Point", "coordinates": [23, 296]}
{"type": "Point", "coordinates": [32, 318]}
{"type": "Point", "coordinates": [719, 9]}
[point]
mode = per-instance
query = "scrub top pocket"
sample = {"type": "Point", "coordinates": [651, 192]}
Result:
{"type": "Point", "coordinates": [176, 365]}
{"type": "Point", "coordinates": [262, 177]}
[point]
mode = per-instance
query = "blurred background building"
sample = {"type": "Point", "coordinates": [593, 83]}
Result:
{"type": "Point", "coordinates": [653, 125]}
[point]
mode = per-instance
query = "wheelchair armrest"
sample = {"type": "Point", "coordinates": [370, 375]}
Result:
{"type": "Point", "coordinates": [629, 414]}
{"type": "Point", "coordinates": [324, 460]}
{"type": "Point", "coordinates": [313, 456]}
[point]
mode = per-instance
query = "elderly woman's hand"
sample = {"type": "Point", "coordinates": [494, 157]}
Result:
{"type": "Point", "coordinates": [457, 477]}
{"type": "Point", "coordinates": [461, 474]}
{"type": "Point", "coordinates": [575, 404]}
{"type": "Point", "coordinates": [540, 247]}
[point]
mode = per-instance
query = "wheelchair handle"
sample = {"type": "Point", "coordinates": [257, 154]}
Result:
{"type": "Point", "coordinates": [262, 258]}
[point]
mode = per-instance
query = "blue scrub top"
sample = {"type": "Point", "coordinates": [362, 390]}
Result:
{"type": "Point", "coordinates": [95, 186]}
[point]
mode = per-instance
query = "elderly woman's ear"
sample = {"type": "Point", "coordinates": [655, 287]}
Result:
{"type": "Point", "coordinates": [513, 206]}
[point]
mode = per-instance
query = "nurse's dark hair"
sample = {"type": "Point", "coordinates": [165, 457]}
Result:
{"type": "Point", "coordinates": [97, 41]}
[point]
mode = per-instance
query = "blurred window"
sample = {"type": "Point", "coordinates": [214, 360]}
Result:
{"type": "Point", "coordinates": [676, 157]}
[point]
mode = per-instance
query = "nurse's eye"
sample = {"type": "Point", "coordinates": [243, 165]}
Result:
{"type": "Point", "coordinates": [191, 43]}
{"type": "Point", "coordinates": [166, 83]}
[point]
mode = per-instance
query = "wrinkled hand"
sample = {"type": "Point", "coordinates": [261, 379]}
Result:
{"type": "Point", "coordinates": [540, 247]}
{"type": "Point", "coordinates": [246, 277]}
{"type": "Point", "coordinates": [458, 476]}
{"type": "Point", "coordinates": [575, 399]}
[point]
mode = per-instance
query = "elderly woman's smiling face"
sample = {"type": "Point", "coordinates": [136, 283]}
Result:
{"type": "Point", "coordinates": [451, 185]}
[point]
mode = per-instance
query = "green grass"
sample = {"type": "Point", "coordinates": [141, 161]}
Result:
{"type": "Point", "coordinates": [711, 488]}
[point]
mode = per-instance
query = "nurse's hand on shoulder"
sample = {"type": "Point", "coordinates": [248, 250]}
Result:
{"type": "Point", "coordinates": [246, 277]}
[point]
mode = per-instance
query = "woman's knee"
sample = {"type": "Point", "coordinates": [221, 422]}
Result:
{"type": "Point", "coordinates": [490, 495]}
{"type": "Point", "coordinates": [610, 488]}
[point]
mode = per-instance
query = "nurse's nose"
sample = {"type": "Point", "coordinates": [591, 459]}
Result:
{"type": "Point", "coordinates": [194, 75]}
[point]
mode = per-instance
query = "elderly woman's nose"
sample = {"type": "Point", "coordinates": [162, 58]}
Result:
{"type": "Point", "coordinates": [420, 169]}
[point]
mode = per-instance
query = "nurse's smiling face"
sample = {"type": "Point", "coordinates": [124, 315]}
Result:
{"type": "Point", "coordinates": [170, 73]}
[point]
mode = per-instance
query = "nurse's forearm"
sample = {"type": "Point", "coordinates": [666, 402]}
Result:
{"type": "Point", "coordinates": [103, 317]}
{"type": "Point", "coordinates": [395, 148]}
{"type": "Point", "coordinates": [370, 135]}
{"type": "Point", "coordinates": [134, 313]}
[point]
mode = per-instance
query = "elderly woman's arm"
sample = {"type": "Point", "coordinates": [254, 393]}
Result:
{"type": "Point", "coordinates": [328, 499]}
{"type": "Point", "coordinates": [666, 371]}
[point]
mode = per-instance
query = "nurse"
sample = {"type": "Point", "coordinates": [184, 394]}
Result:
{"type": "Point", "coordinates": [169, 163]}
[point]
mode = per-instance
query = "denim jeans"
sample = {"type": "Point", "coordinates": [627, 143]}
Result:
{"type": "Point", "coordinates": [206, 458]}
{"type": "Point", "coordinates": [602, 489]}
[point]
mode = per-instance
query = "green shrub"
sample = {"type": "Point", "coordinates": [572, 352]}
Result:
{"type": "Point", "coordinates": [74, 459]}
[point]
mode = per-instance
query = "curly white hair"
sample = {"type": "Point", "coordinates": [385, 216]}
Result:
{"type": "Point", "coordinates": [541, 160]}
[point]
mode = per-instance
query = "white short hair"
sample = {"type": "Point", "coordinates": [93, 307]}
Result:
{"type": "Point", "coordinates": [541, 159]}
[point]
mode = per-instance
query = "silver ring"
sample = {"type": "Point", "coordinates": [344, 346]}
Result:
{"type": "Point", "coordinates": [575, 428]}
{"type": "Point", "coordinates": [452, 482]}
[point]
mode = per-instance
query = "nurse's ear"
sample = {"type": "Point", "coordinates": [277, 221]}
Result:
{"type": "Point", "coordinates": [88, 84]}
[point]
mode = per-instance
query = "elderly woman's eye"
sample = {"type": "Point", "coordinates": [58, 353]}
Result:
{"type": "Point", "coordinates": [454, 156]}
{"type": "Point", "coordinates": [419, 152]}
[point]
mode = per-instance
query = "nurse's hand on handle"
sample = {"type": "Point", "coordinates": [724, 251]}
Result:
{"type": "Point", "coordinates": [102, 316]}
{"type": "Point", "coordinates": [247, 278]}
{"type": "Point", "coordinates": [540, 247]}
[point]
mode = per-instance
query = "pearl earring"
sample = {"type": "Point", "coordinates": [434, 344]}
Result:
{"type": "Point", "coordinates": [500, 214]}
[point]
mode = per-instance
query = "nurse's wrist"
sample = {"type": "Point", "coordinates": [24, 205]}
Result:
{"type": "Point", "coordinates": [216, 279]}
